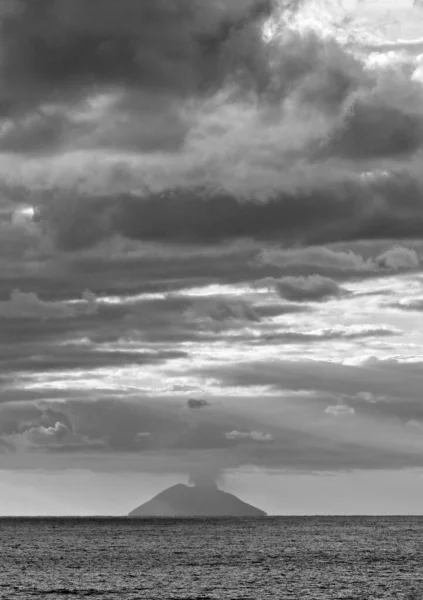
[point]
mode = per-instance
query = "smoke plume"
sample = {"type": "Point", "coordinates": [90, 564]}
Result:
{"type": "Point", "coordinates": [207, 476]}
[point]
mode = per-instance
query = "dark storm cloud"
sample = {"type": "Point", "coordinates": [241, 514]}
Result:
{"type": "Point", "coordinates": [197, 47]}
{"type": "Point", "coordinates": [59, 51]}
{"type": "Point", "coordinates": [145, 60]}
{"type": "Point", "coordinates": [336, 210]}
{"type": "Point", "coordinates": [386, 122]}
{"type": "Point", "coordinates": [339, 207]}
{"type": "Point", "coordinates": [55, 50]}
{"type": "Point", "coordinates": [282, 155]}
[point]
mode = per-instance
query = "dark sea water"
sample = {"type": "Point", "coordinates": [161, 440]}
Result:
{"type": "Point", "coordinates": [273, 557]}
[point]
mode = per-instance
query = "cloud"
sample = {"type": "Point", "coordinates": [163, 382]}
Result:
{"type": "Point", "coordinates": [398, 258]}
{"type": "Point", "coordinates": [340, 410]}
{"type": "Point", "coordinates": [39, 437]}
{"type": "Point", "coordinates": [340, 206]}
{"type": "Point", "coordinates": [256, 436]}
{"type": "Point", "coordinates": [380, 377]}
{"type": "Point", "coordinates": [29, 306]}
{"type": "Point", "coordinates": [106, 425]}
{"type": "Point", "coordinates": [40, 434]}
{"type": "Point", "coordinates": [234, 432]}
{"type": "Point", "coordinates": [168, 317]}
{"type": "Point", "coordinates": [321, 335]}
{"type": "Point", "coordinates": [385, 122]}
{"type": "Point", "coordinates": [212, 187]}
{"type": "Point", "coordinates": [120, 77]}
{"type": "Point", "coordinates": [195, 403]}
{"type": "Point", "coordinates": [221, 309]}
{"type": "Point", "coordinates": [56, 50]}
{"type": "Point", "coordinates": [48, 131]}
{"type": "Point", "coordinates": [315, 259]}
{"type": "Point", "coordinates": [120, 424]}
{"type": "Point", "coordinates": [314, 288]}
{"type": "Point", "coordinates": [413, 305]}
{"type": "Point", "coordinates": [265, 130]}
{"type": "Point", "coordinates": [79, 357]}
{"type": "Point", "coordinates": [280, 309]}
{"type": "Point", "coordinates": [339, 263]}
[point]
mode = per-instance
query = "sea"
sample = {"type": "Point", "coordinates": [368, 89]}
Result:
{"type": "Point", "coordinates": [309, 558]}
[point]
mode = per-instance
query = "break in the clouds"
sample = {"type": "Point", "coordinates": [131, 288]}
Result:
{"type": "Point", "coordinates": [210, 236]}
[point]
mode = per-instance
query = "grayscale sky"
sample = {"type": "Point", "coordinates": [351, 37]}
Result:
{"type": "Point", "coordinates": [211, 248]}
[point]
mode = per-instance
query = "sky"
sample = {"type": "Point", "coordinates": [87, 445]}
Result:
{"type": "Point", "coordinates": [211, 253]}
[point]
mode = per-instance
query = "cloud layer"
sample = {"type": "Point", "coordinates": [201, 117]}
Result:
{"type": "Point", "coordinates": [232, 135]}
{"type": "Point", "coordinates": [210, 239]}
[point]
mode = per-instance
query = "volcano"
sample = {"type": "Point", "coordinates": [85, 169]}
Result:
{"type": "Point", "coordinates": [195, 501]}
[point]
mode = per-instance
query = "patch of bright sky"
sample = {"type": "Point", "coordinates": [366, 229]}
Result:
{"type": "Point", "coordinates": [214, 290]}
{"type": "Point", "coordinates": [365, 25]}
{"type": "Point", "coordinates": [360, 20]}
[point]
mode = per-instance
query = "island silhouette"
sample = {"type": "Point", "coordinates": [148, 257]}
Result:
{"type": "Point", "coordinates": [205, 500]}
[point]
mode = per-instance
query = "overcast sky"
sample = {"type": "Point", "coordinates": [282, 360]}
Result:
{"type": "Point", "coordinates": [211, 248]}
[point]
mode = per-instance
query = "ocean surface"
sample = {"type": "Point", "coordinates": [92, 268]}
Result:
{"type": "Point", "coordinates": [248, 558]}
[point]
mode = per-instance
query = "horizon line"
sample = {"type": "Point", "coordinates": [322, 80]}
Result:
{"type": "Point", "coordinates": [280, 516]}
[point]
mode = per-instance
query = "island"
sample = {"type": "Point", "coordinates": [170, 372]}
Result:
{"type": "Point", "coordinates": [182, 500]}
